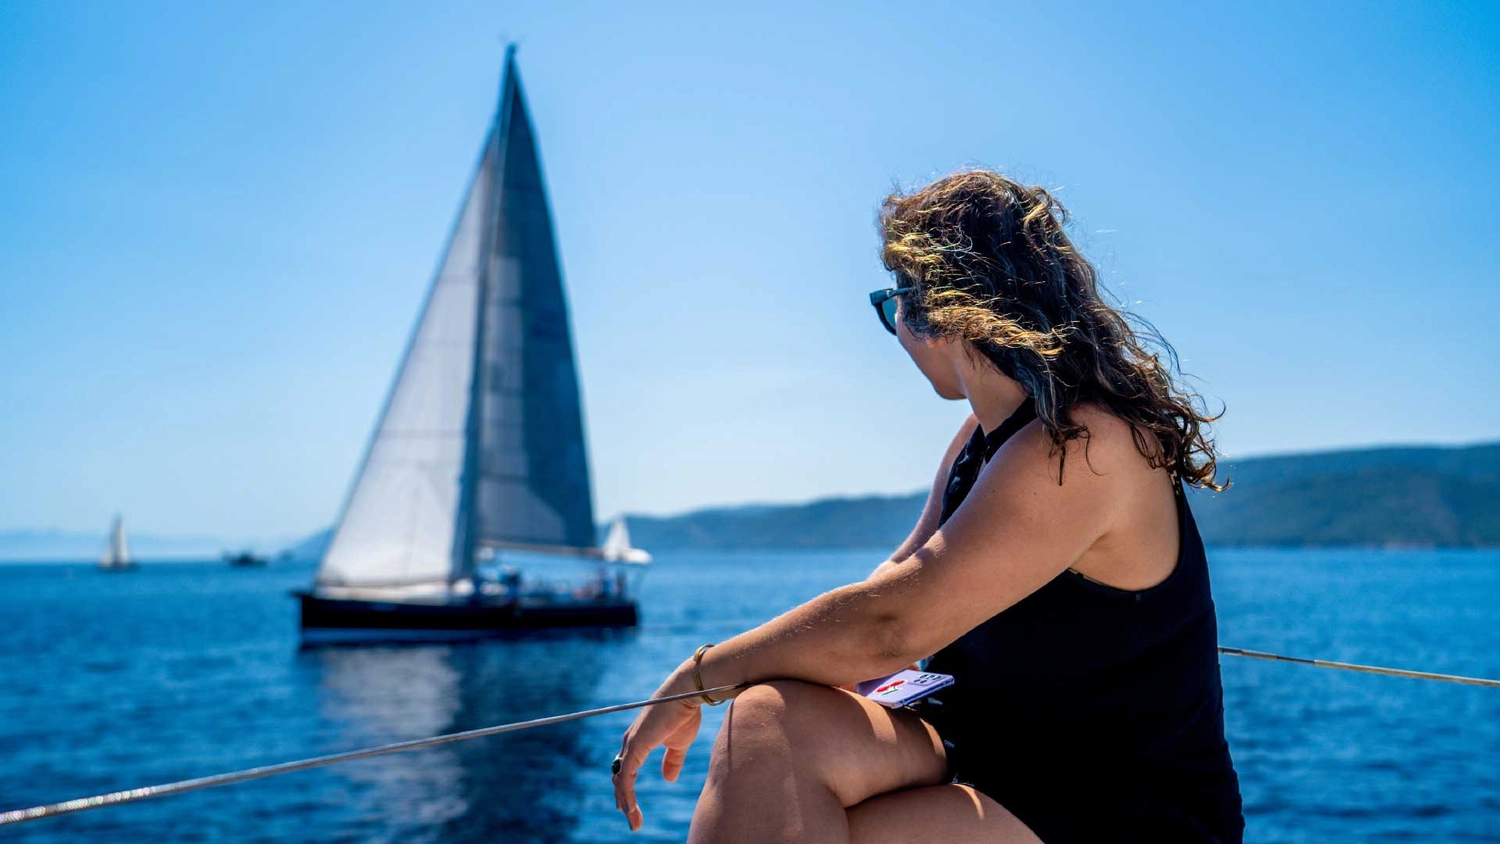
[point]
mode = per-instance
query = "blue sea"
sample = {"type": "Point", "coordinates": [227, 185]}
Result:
{"type": "Point", "coordinates": [109, 681]}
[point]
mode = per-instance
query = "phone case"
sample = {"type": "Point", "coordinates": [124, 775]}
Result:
{"type": "Point", "coordinates": [904, 687]}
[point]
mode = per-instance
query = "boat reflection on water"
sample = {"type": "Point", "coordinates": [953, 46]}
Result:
{"type": "Point", "coordinates": [513, 787]}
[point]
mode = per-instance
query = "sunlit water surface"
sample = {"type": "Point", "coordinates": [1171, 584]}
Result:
{"type": "Point", "coordinates": [109, 681]}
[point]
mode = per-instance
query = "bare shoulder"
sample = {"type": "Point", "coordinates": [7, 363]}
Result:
{"type": "Point", "coordinates": [1094, 504]}
{"type": "Point", "coordinates": [1112, 443]}
{"type": "Point", "coordinates": [1107, 455]}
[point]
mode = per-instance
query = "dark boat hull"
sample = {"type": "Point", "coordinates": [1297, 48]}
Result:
{"type": "Point", "coordinates": [352, 621]}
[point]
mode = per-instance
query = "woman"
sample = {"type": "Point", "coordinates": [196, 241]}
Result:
{"type": "Point", "coordinates": [1055, 571]}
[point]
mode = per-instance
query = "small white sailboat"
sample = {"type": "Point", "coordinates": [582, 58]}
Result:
{"type": "Point", "coordinates": [116, 556]}
{"type": "Point", "coordinates": [617, 547]}
{"type": "Point", "coordinates": [473, 507]}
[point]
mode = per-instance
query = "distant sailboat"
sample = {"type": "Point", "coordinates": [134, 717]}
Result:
{"type": "Point", "coordinates": [617, 547]}
{"type": "Point", "coordinates": [116, 556]}
{"type": "Point", "coordinates": [478, 467]}
{"type": "Point", "coordinates": [245, 559]}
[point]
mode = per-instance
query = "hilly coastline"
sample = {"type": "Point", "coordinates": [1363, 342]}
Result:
{"type": "Point", "coordinates": [1403, 497]}
{"type": "Point", "coordinates": [1398, 497]}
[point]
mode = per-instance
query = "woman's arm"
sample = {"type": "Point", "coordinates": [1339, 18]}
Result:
{"type": "Point", "coordinates": [932, 511]}
{"type": "Point", "coordinates": [1018, 529]}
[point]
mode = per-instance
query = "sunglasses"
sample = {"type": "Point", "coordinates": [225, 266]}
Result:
{"type": "Point", "coordinates": [885, 305]}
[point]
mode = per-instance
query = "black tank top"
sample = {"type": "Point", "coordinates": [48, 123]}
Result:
{"type": "Point", "coordinates": [1093, 713]}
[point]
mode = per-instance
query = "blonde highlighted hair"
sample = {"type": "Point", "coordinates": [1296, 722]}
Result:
{"type": "Point", "coordinates": [991, 264]}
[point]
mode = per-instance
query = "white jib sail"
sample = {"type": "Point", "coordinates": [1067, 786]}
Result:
{"type": "Point", "coordinates": [617, 548]}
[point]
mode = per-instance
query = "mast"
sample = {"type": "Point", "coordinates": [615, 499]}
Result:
{"type": "Point", "coordinates": [466, 546]}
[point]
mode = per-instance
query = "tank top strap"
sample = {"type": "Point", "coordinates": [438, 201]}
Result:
{"type": "Point", "coordinates": [1017, 420]}
{"type": "Point", "coordinates": [977, 452]}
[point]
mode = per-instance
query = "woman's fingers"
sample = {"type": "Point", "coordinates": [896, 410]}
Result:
{"type": "Point", "coordinates": [631, 757]}
{"type": "Point", "coordinates": [671, 764]}
{"type": "Point", "coordinates": [676, 727]}
{"type": "Point", "coordinates": [678, 742]}
{"type": "Point", "coordinates": [625, 792]}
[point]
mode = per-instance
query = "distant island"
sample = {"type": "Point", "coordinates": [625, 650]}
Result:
{"type": "Point", "coordinates": [1394, 497]}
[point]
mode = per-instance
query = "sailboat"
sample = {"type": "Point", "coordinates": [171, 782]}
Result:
{"type": "Point", "coordinates": [617, 548]}
{"type": "Point", "coordinates": [116, 556]}
{"type": "Point", "coordinates": [471, 513]}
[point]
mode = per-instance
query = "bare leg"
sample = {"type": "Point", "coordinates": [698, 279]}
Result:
{"type": "Point", "coordinates": [792, 757]}
{"type": "Point", "coordinates": [941, 813]}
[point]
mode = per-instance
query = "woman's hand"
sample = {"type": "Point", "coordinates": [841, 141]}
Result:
{"type": "Point", "coordinates": [674, 724]}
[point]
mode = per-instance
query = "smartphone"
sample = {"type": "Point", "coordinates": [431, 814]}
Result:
{"type": "Point", "coordinates": [904, 687]}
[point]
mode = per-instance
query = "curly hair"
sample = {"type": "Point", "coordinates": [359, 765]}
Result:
{"type": "Point", "coordinates": [991, 264]}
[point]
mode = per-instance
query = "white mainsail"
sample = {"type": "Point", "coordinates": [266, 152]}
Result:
{"type": "Point", "coordinates": [117, 552]}
{"type": "Point", "coordinates": [481, 441]}
{"type": "Point", "coordinates": [398, 524]}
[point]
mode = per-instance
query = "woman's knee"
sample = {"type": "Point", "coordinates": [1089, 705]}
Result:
{"type": "Point", "coordinates": [782, 720]}
{"type": "Point", "coordinates": [790, 708]}
{"type": "Point", "coordinates": [778, 698]}
{"type": "Point", "coordinates": [856, 749]}
{"type": "Point", "coordinates": [773, 714]}
{"type": "Point", "coordinates": [754, 730]}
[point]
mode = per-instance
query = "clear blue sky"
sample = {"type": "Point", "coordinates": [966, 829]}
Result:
{"type": "Point", "coordinates": [217, 222]}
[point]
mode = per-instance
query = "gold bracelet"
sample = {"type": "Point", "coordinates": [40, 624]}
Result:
{"type": "Point", "coordinates": [698, 678]}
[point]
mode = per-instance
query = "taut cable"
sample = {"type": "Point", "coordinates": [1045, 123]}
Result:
{"type": "Point", "coordinates": [115, 798]}
{"type": "Point", "coordinates": [1365, 669]}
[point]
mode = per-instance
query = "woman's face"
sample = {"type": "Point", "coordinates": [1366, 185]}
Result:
{"type": "Point", "coordinates": [934, 358]}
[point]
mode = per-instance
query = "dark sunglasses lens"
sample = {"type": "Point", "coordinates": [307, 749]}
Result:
{"type": "Point", "coordinates": [888, 314]}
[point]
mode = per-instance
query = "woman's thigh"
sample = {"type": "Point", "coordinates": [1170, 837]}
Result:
{"type": "Point", "coordinates": [945, 813]}
{"type": "Point", "coordinates": [858, 748]}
